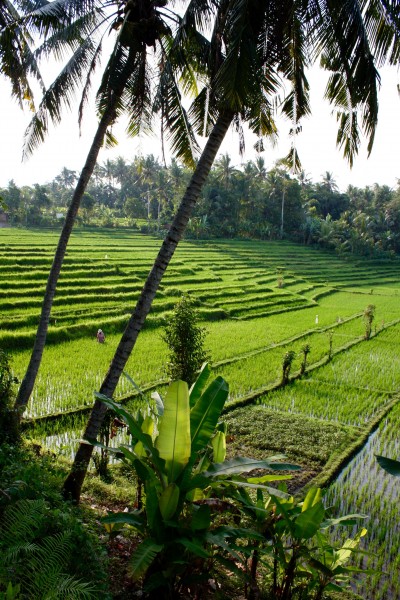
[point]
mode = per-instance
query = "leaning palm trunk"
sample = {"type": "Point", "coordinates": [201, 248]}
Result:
{"type": "Point", "coordinates": [74, 481]}
{"type": "Point", "coordinates": [107, 119]}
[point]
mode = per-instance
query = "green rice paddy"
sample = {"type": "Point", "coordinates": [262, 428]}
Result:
{"type": "Point", "coordinates": [252, 321]}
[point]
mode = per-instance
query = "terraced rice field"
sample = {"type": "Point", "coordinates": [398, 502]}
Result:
{"type": "Point", "coordinates": [251, 320]}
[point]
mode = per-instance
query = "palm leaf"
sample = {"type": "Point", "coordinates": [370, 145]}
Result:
{"type": "Point", "coordinates": [177, 126]}
{"type": "Point", "coordinates": [134, 519]}
{"type": "Point", "coordinates": [353, 85]}
{"type": "Point", "coordinates": [61, 92]}
{"type": "Point", "coordinates": [137, 98]}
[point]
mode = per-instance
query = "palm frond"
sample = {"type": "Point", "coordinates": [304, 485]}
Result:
{"type": "Point", "coordinates": [60, 44]}
{"type": "Point", "coordinates": [137, 98]}
{"type": "Point", "coordinates": [230, 81]}
{"type": "Point", "coordinates": [197, 16]}
{"type": "Point", "coordinates": [49, 17]}
{"type": "Point", "coordinates": [202, 116]}
{"type": "Point", "coordinates": [16, 55]}
{"type": "Point", "coordinates": [88, 82]}
{"type": "Point", "coordinates": [382, 19]}
{"type": "Point", "coordinates": [119, 68]}
{"type": "Point", "coordinates": [59, 94]}
{"type": "Point", "coordinates": [354, 83]}
{"type": "Point", "coordinates": [177, 127]}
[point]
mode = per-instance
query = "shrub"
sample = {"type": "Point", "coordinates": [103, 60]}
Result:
{"type": "Point", "coordinates": [186, 342]}
{"type": "Point", "coordinates": [9, 429]}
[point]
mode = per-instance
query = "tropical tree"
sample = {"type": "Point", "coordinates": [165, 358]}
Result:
{"type": "Point", "coordinates": [253, 44]}
{"type": "Point", "coordinates": [125, 87]}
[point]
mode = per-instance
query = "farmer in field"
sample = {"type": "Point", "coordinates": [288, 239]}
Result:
{"type": "Point", "coordinates": [100, 337]}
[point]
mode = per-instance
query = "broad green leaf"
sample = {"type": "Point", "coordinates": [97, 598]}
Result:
{"type": "Point", "coordinates": [334, 587]}
{"type": "Point", "coordinates": [173, 441]}
{"type": "Point", "coordinates": [195, 494]}
{"type": "Point", "coordinates": [308, 522]}
{"type": "Point", "coordinates": [390, 465]}
{"type": "Point", "coordinates": [206, 412]}
{"type": "Point", "coordinates": [266, 478]}
{"type": "Point", "coordinates": [199, 385]}
{"type": "Point", "coordinates": [133, 426]}
{"type": "Point", "coordinates": [241, 465]}
{"type": "Point", "coordinates": [345, 520]}
{"type": "Point", "coordinates": [316, 564]}
{"type": "Point", "coordinates": [135, 519]}
{"type": "Point", "coordinates": [201, 518]}
{"type": "Point", "coordinates": [345, 552]}
{"type": "Point", "coordinates": [168, 501]}
{"type": "Point", "coordinates": [258, 486]}
{"type": "Point", "coordinates": [147, 427]}
{"type": "Point", "coordinates": [196, 549]}
{"type": "Point", "coordinates": [313, 497]}
{"type": "Point", "coordinates": [159, 403]}
{"type": "Point", "coordinates": [219, 447]}
{"type": "Point", "coordinates": [152, 489]}
{"type": "Point", "coordinates": [143, 557]}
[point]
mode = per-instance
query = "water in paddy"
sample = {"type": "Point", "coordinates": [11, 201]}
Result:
{"type": "Point", "coordinates": [363, 487]}
{"type": "Point", "coordinates": [63, 435]}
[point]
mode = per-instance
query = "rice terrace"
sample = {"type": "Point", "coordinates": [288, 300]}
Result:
{"type": "Point", "coordinates": [258, 301]}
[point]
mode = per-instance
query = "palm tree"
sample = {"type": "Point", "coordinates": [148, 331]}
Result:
{"type": "Point", "coordinates": [252, 44]}
{"type": "Point", "coordinates": [225, 170]}
{"type": "Point", "coordinates": [125, 86]}
{"type": "Point", "coordinates": [329, 182]}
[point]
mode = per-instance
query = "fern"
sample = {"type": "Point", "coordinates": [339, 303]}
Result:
{"type": "Point", "coordinates": [42, 559]}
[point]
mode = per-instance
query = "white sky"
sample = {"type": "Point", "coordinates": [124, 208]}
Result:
{"type": "Point", "coordinates": [316, 144]}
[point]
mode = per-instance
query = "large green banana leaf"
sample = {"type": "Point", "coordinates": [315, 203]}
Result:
{"type": "Point", "coordinates": [199, 385]}
{"type": "Point", "coordinates": [206, 412]}
{"type": "Point", "coordinates": [173, 441]}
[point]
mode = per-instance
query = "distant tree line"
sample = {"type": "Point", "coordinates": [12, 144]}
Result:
{"type": "Point", "coordinates": [250, 202]}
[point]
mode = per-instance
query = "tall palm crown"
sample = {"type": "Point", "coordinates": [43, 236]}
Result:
{"type": "Point", "coordinates": [261, 48]}
{"type": "Point", "coordinates": [76, 29]}
{"type": "Point", "coordinates": [76, 32]}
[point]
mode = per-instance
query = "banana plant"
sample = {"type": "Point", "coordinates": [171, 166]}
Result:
{"type": "Point", "coordinates": [189, 520]}
{"type": "Point", "coordinates": [304, 557]}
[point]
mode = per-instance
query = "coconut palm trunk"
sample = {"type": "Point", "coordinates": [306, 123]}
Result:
{"type": "Point", "coordinates": [73, 484]}
{"type": "Point", "coordinates": [107, 119]}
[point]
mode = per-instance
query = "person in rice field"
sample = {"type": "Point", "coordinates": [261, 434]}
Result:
{"type": "Point", "coordinates": [100, 337]}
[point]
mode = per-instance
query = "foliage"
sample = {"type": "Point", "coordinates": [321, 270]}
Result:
{"type": "Point", "coordinates": [186, 522]}
{"type": "Point", "coordinates": [369, 316]}
{"type": "Point", "coordinates": [45, 547]}
{"type": "Point", "coordinates": [299, 557]}
{"type": "Point", "coordinates": [9, 426]}
{"type": "Point", "coordinates": [306, 349]}
{"type": "Point", "coordinates": [39, 557]}
{"type": "Point", "coordinates": [287, 365]}
{"type": "Point", "coordinates": [246, 205]}
{"type": "Point", "coordinates": [185, 339]}
{"type": "Point", "coordinates": [389, 465]}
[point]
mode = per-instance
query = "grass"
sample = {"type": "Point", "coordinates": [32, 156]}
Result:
{"type": "Point", "coordinates": [260, 432]}
{"type": "Point", "coordinates": [251, 324]}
